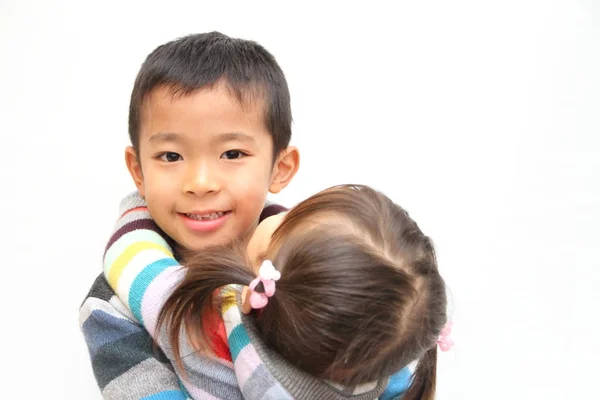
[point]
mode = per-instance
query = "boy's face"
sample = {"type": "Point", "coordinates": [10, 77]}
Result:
{"type": "Point", "coordinates": [205, 165]}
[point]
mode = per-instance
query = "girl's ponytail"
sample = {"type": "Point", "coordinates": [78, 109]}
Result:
{"type": "Point", "coordinates": [192, 304]}
{"type": "Point", "coordinates": [423, 381]}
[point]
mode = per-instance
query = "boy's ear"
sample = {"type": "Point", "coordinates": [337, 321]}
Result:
{"type": "Point", "coordinates": [135, 169]}
{"type": "Point", "coordinates": [285, 168]}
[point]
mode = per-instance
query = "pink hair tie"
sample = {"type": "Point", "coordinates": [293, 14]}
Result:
{"type": "Point", "coordinates": [268, 275]}
{"type": "Point", "coordinates": [444, 340]}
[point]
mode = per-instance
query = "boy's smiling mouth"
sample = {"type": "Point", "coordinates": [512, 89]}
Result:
{"type": "Point", "coordinates": [206, 216]}
{"type": "Point", "coordinates": [204, 221]}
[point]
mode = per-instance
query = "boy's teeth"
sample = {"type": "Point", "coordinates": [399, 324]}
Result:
{"type": "Point", "coordinates": [205, 216]}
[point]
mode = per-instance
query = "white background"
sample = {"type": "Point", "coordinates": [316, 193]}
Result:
{"type": "Point", "coordinates": [479, 117]}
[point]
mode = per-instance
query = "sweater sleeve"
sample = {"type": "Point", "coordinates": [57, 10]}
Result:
{"type": "Point", "coordinates": [397, 385]}
{"type": "Point", "coordinates": [125, 362]}
{"type": "Point", "coordinates": [139, 264]}
{"type": "Point", "coordinates": [122, 354]}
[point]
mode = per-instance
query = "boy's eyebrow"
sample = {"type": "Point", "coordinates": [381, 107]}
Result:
{"type": "Point", "coordinates": [232, 136]}
{"type": "Point", "coordinates": [222, 137]}
{"type": "Point", "coordinates": [165, 137]}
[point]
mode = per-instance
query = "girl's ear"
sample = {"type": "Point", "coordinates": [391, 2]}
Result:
{"type": "Point", "coordinates": [246, 308]}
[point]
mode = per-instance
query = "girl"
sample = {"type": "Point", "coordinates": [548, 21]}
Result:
{"type": "Point", "coordinates": [326, 302]}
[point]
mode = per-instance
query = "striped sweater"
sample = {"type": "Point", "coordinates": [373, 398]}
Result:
{"type": "Point", "coordinates": [140, 267]}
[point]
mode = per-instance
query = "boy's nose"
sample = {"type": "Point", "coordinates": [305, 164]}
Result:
{"type": "Point", "coordinates": [201, 180]}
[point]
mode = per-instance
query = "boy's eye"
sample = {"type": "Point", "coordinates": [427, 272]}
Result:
{"type": "Point", "coordinates": [232, 154]}
{"type": "Point", "coordinates": [170, 157]}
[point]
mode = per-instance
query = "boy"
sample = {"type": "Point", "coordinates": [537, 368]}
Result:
{"type": "Point", "coordinates": [210, 125]}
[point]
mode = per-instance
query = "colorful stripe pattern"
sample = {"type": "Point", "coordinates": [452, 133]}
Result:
{"type": "Point", "coordinates": [141, 269]}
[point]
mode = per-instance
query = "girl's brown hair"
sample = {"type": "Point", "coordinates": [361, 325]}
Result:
{"type": "Point", "coordinates": [359, 298]}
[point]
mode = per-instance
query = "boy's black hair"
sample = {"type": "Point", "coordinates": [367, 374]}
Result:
{"type": "Point", "coordinates": [248, 71]}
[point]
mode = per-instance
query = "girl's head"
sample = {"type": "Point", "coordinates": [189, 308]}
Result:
{"type": "Point", "coordinates": [359, 298]}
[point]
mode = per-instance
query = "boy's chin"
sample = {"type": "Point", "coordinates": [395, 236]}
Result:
{"type": "Point", "coordinates": [200, 245]}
